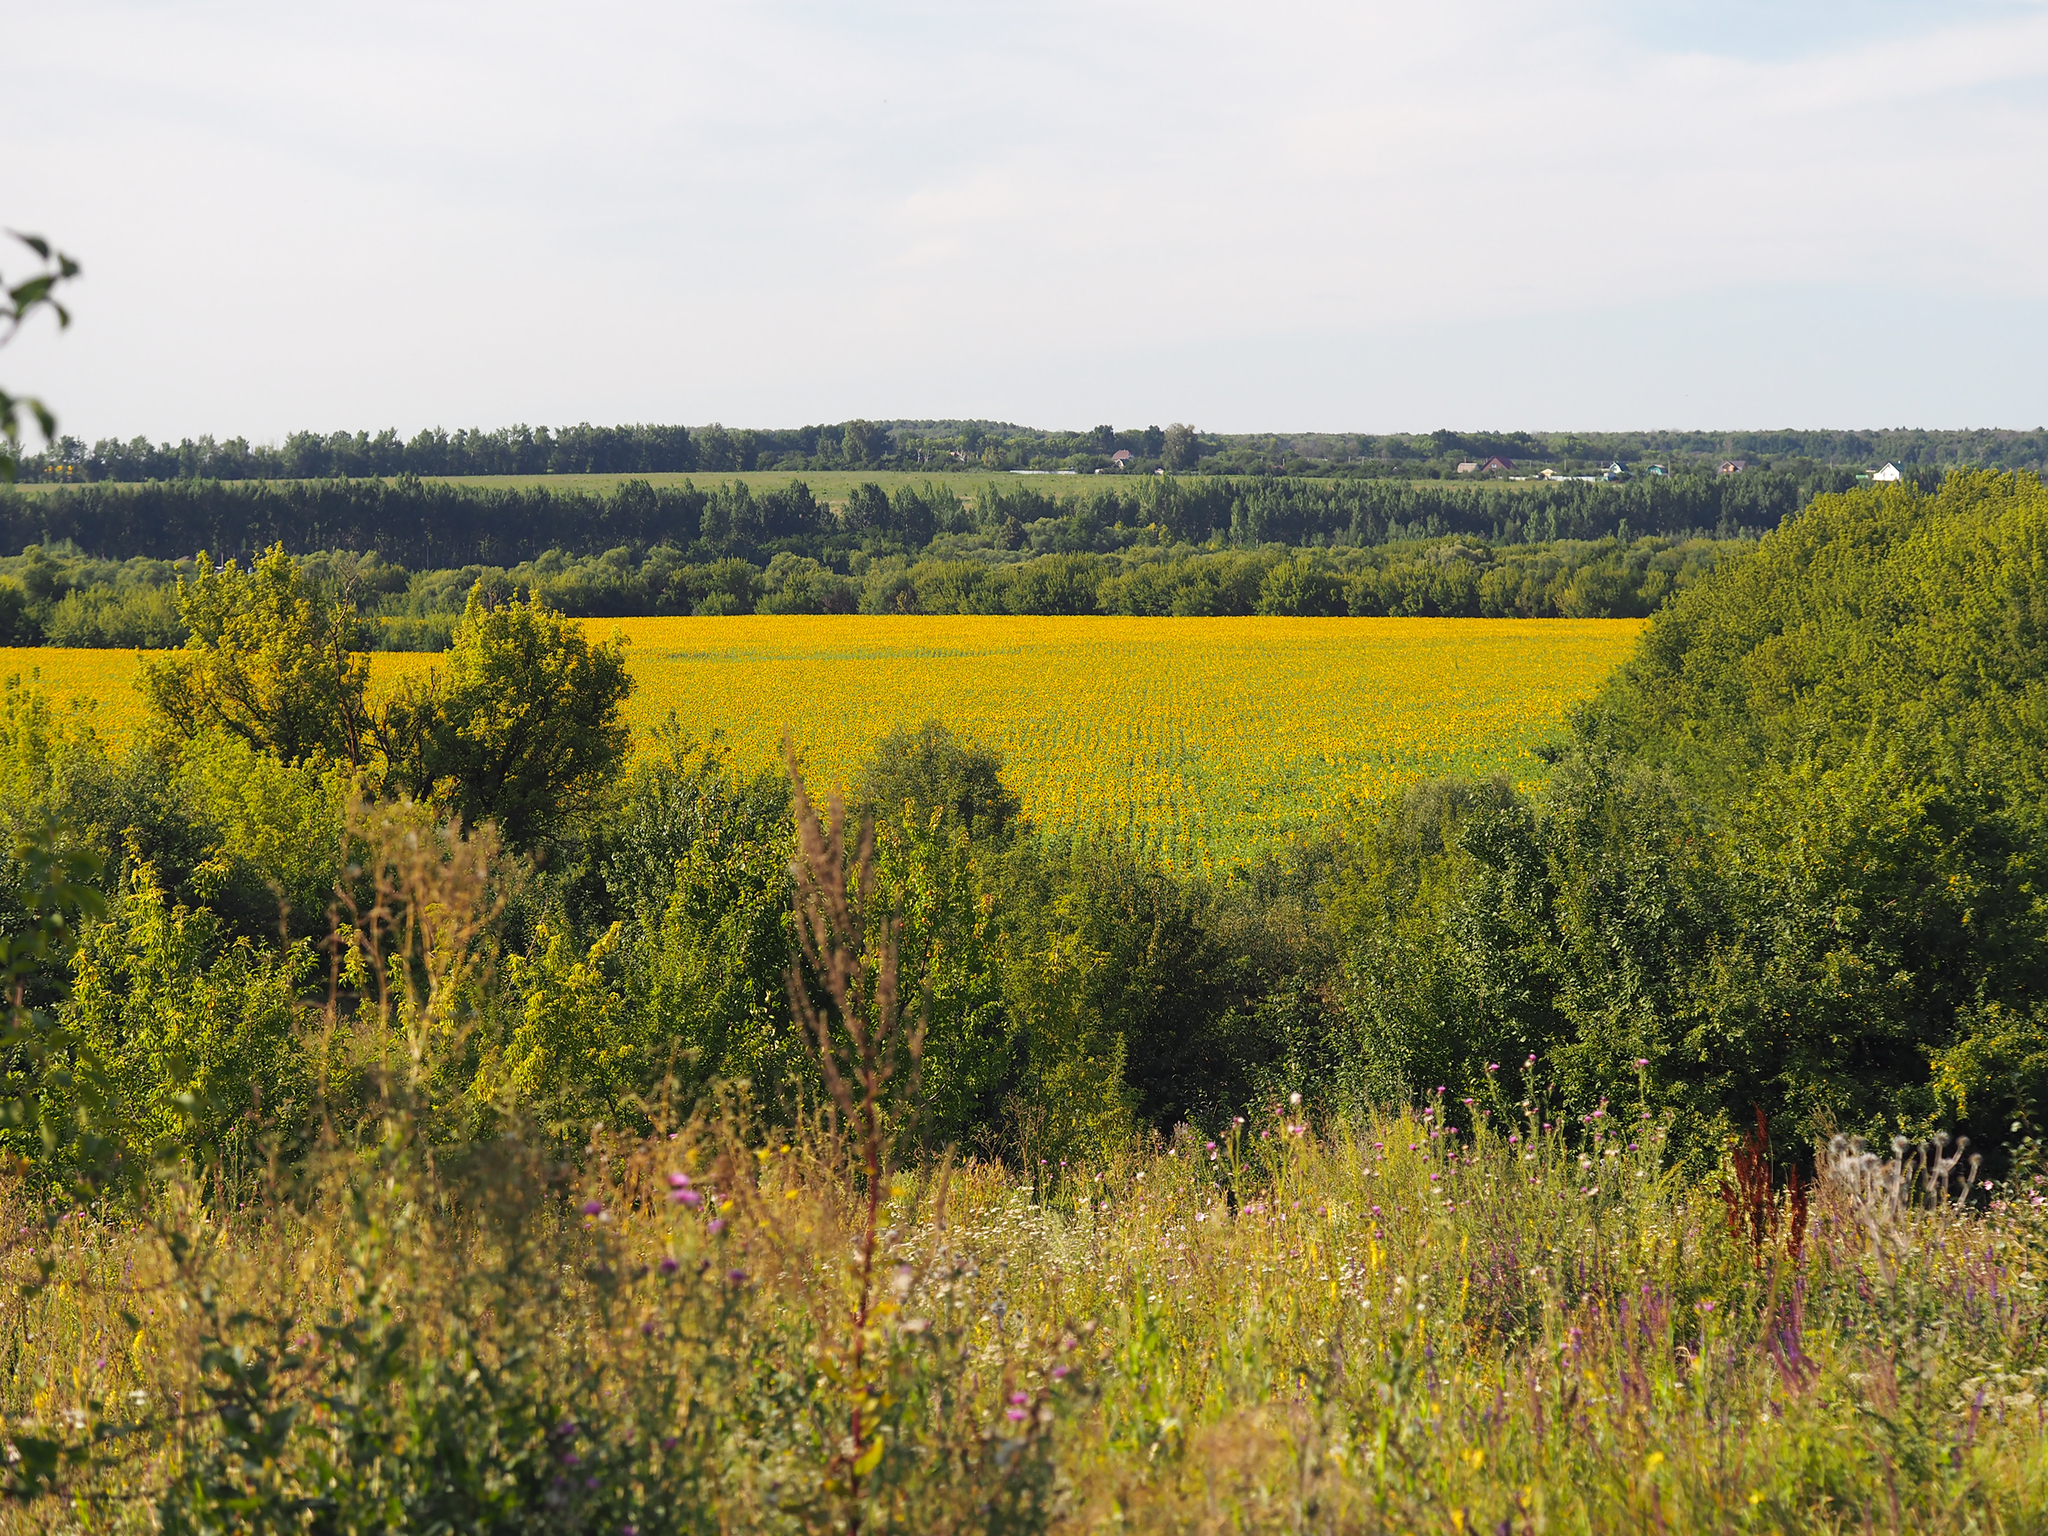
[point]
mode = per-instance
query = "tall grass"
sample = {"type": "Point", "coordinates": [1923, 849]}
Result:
{"type": "Point", "coordinates": [1425, 1321]}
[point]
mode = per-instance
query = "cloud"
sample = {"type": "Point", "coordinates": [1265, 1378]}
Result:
{"type": "Point", "coordinates": [776, 212]}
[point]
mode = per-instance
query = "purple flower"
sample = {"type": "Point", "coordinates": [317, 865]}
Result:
{"type": "Point", "coordinates": [1015, 1415]}
{"type": "Point", "coordinates": [736, 1276]}
{"type": "Point", "coordinates": [688, 1197]}
{"type": "Point", "coordinates": [669, 1266]}
{"type": "Point", "coordinates": [679, 1181]}
{"type": "Point", "coordinates": [593, 1207]}
{"type": "Point", "coordinates": [1059, 1373]}
{"type": "Point", "coordinates": [1020, 1398]}
{"type": "Point", "coordinates": [717, 1226]}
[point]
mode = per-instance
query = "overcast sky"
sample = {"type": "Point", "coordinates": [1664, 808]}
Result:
{"type": "Point", "coordinates": [1364, 216]}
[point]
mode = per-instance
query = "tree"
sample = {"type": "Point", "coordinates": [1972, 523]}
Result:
{"type": "Point", "coordinates": [862, 441]}
{"type": "Point", "coordinates": [525, 728]}
{"type": "Point", "coordinates": [867, 509]}
{"type": "Point", "coordinates": [16, 305]}
{"type": "Point", "coordinates": [1179, 448]}
{"type": "Point", "coordinates": [910, 775]}
{"type": "Point", "coordinates": [268, 661]}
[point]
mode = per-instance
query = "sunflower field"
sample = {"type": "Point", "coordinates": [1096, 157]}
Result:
{"type": "Point", "coordinates": [1198, 741]}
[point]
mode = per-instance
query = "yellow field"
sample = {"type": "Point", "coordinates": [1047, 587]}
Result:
{"type": "Point", "coordinates": [1198, 739]}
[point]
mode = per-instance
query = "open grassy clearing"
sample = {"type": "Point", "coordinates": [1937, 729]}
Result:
{"type": "Point", "coordinates": [1198, 740]}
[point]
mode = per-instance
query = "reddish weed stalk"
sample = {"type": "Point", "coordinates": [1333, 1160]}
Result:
{"type": "Point", "coordinates": [859, 1056]}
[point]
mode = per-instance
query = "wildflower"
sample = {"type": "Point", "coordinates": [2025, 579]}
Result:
{"type": "Point", "coordinates": [688, 1197]}
{"type": "Point", "coordinates": [736, 1276]}
{"type": "Point", "coordinates": [1019, 1399]}
{"type": "Point", "coordinates": [1295, 1098]}
{"type": "Point", "coordinates": [1514, 1137]}
{"type": "Point", "coordinates": [717, 1226]}
{"type": "Point", "coordinates": [1642, 1061]}
{"type": "Point", "coordinates": [1059, 1373]}
{"type": "Point", "coordinates": [1493, 1066]}
{"type": "Point", "coordinates": [679, 1181]}
{"type": "Point", "coordinates": [1015, 1415]}
{"type": "Point", "coordinates": [593, 1207]}
{"type": "Point", "coordinates": [669, 1266]}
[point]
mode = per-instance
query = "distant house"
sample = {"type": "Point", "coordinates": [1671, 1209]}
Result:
{"type": "Point", "coordinates": [1734, 466]}
{"type": "Point", "coordinates": [1889, 472]}
{"type": "Point", "coordinates": [1469, 468]}
{"type": "Point", "coordinates": [1614, 471]}
{"type": "Point", "coordinates": [1121, 459]}
{"type": "Point", "coordinates": [1654, 469]}
{"type": "Point", "coordinates": [1496, 463]}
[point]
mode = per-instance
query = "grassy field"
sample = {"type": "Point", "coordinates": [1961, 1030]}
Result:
{"type": "Point", "coordinates": [1199, 740]}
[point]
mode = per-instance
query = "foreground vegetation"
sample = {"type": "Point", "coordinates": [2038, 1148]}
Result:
{"type": "Point", "coordinates": [1433, 1322]}
{"type": "Point", "coordinates": [420, 1117]}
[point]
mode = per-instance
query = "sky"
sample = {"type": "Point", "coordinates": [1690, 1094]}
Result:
{"type": "Point", "coordinates": [1290, 216]}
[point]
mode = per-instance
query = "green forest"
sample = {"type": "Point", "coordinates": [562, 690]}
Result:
{"type": "Point", "coordinates": [99, 563]}
{"type": "Point", "coordinates": [389, 1041]}
{"type": "Point", "coordinates": [977, 446]}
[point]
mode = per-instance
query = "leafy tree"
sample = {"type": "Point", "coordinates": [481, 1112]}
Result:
{"type": "Point", "coordinates": [16, 305]}
{"type": "Point", "coordinates": [1302, 588]}
{"type": "Point", "coordinates": [1179, 447]}
{"type": "Point", "coordinates": [911, 776]}
{"type": "Point", "coordinates": [862, 442]}
{"type": "Point", "coordinates": [268, 660]}
{"type": "Point", "coordinates": [867, 510]}
{"type": "Point", "coordinates": [525, 727]}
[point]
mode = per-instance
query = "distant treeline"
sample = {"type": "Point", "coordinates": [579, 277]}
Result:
{"type": "Point", "coordinates": [973, 446]}
{"type": "Point", "coordinates": [418, 523]}
{"type": "Point", "coordinates": [57, 596]}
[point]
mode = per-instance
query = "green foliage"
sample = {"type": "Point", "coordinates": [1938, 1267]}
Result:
{"type": "Point", "coordinates": [54, 900]}
{"type": "Point", "coordinates": [1792, 860]}
{"type": "Point", "coordinates": [267, 661]}
{"type": "Point", "coordinates": [523, 727]}
{"type": "Point", "coordinates": [193, 1037]}
{"type": "Point", "coordinates": [17, 304]}
{"type": "Point", "coordinates": [912, 775]}
{"type": "Point", "coordinates": [272, 832]}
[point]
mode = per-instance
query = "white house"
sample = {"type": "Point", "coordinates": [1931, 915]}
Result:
{"type": "Point", "coordinates": [1889, 472]}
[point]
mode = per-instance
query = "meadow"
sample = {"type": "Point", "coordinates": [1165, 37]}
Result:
{"type": "Point", "coordinates": [1195, 741]}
